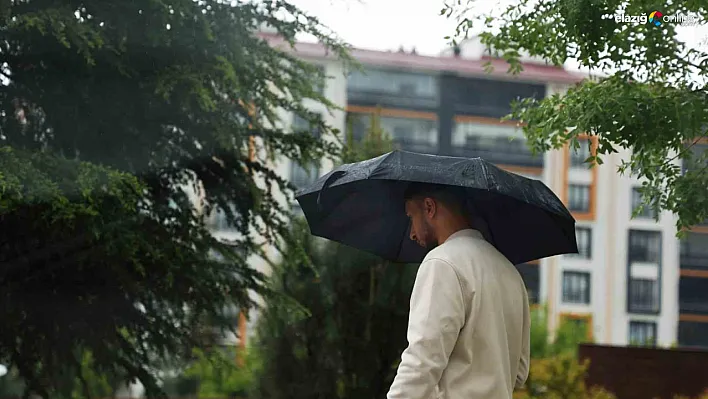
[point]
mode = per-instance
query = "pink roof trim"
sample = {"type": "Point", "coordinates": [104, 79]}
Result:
{"type": "Point", "coordinates": [531, 72]}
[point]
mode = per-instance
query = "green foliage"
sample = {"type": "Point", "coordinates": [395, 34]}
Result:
{"type": "Point", "coordinates": [702, 396]}
{"type": "Point", "coordinates": [650, 98]}
{"type": "Point", "coordinates": [345, 334]}
{"type": "Point", "coordinates": [555, 371]}
{"type": "Point", "coordinates": [217, 373]}
{"type": "Point", "coordinates": [568, 335]}
{"type": "Point", "coordinates": [110, 109]}
{"type": "Point", "coordinates": [11, 384]}
{"type": "Point", "coordinates": [559, 377]}
{"type": "Point", "coordinates": [374, 143]}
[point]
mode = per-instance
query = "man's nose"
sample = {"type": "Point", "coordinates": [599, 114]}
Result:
{"type": "Point", "coordinates": [412, 236]}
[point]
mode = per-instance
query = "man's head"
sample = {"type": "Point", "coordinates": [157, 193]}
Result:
{"type": "Point", "coordinates": [435, 212]}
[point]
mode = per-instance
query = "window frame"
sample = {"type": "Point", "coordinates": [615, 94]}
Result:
{"type": "Point", "coordinates": [643, 323]}
{"type": "Point", "coordinates": [580, 254]}
{"type": "Point", "coordinates": [584, 298]}
{"type": "Point", "coordinates": [297, 126]}
{"type": "Point", "coordinates": [586, 188]}
{"type": "Point", "coordinates": [400, 79]}
{"type": "Point", "coordinates": [574, 161]}
{"type": "Point", "coordinates": [635, 200]}
{"type": "Point", "coordinates": [363, 115]}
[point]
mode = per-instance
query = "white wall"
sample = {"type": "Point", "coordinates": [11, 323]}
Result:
{"type": "Point", "coordinates": [608, 263]}
{"type": "Point", "coordinates": [335, 91]}
{"type": "Point", "coordinates": [667, 320]}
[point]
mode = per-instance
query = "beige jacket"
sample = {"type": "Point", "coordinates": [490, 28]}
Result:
{"type": "Point", "coordinates": [469, 325]}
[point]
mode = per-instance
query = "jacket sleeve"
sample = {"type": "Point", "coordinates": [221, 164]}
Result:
{"type": "Point", "coordinates": [437, 315]}
{"type": "Point", "coordinates": [524, 363]}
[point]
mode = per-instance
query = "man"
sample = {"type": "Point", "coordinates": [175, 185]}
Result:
{"type": "Point", "coordinates": [469, 324]}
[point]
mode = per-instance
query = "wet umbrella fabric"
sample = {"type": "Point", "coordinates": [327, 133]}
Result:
{"type": "Point", "coordinates": [362, 205]}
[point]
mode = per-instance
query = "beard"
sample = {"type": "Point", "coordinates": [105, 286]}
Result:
{"type": "Point", "coordinates": [427, 237]}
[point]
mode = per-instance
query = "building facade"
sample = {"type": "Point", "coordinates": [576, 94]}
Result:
{"type": "Point", "coordinates": [632, 282]}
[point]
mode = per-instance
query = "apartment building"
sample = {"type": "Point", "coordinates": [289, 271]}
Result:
{"type": "Point", "coordinates": [693, 280]}
{"type": "Point", "coordinates": [632, 282]}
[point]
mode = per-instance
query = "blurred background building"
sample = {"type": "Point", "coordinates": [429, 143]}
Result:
{"type": "Point", "coordinates": [633, 281]}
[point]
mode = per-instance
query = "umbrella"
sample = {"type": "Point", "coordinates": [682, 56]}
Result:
{"type": "Point", "coordinates": [362, 205]}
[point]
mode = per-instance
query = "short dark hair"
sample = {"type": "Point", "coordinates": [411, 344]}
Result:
{"type": "Point", "coordinates": [452, 197]}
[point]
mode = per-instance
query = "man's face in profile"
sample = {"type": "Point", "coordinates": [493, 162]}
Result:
{"type": "Point", "coordinates": [421, 229]}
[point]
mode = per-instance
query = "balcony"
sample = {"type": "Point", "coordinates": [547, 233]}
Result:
{"type": "Point", "coordinates": [415, 146]}
{"type": "Point", "coordinates": [693, 334]}
{"type": "Point", "coordinates": [694, 251]}
{"type": "Point", "coordinates": [494, 140]}
{"type": "Point", "coordinates": [530, 273]}
{"type": "Point", "coordinates": [643, 296]}
{"type": "Point", "coordinates": [696, 261]}
{"type": "Point", "coordinates": [390, 88]}
{"type": "Point", "coordinates": [693, 307]}
{"type": "Point", "coordinates": [504, 155]}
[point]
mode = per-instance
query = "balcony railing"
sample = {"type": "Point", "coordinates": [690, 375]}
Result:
{"type": "Point", "coordinates": [643, 296]}
{"type": "Point", "coordinates": [501, 155]}
{"type": "Point", "coordinates": [416, 146]}
{"type": "Point", "coordinates": [694, 260]}
{"type": "Point", "coordinates": [693, 306]}
{"type": "Point", "coordinates": [398, 100]}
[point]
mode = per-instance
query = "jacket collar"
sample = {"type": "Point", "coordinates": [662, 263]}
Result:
{"type": "Point", "coordinates": [471, 233]}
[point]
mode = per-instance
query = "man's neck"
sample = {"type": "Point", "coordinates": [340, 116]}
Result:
{"type": "Point", "coordinates": [447, 231]}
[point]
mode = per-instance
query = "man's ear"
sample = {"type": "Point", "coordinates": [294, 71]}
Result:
{"type": "Point", "coordinates": [429, 207]}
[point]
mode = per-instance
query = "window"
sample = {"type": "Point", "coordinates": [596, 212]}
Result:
{"type": "Point", "coordinates": [644, 272]}
{"type": "Point", "coordinates": [693, 295]}
{"type": "Point", "coordinates": [579, 198]}
{"type": "Point", "coordinates": [644, 295]}
{"type": "Point", "coordinates": [698, 160]}
{"type": "Point", "coordinates": [645, 246]}
{"type": "Point", "coordinates": [580, 155]}
{"type": "Point", "coordinates": [487, 97]}
{"type": "Point", "coordinates": [576, 287]}
{"type": "Point", "coordinates": [398, 83]}
{"type": "Point", "coordinates": [693, 334]}
{"type": "Point", "coordinates": [495, 142]}
{"type": "Point", "coordinates": [531, 276]}
{"type": "Point", "coordinates": [694, 251]}
{"type": "Point", "coordinates": [583, 236]}
{"type": "Point", "coordinates": [647, 212]}
{"type": "Point", "coordinates": [577, 324]}
{"type": "Point", "coordinates": [642, 333]}
{"type": "Point", "coordinates": [301, 125]}
{"type": "Point", "coordinates": [302, 176]}
{"type": "Point", "coordinates": [321, 81]}
{"type": "Point", "coordinates": [218, 220]}
{"type": "Point", "coordinates": [418, 135]}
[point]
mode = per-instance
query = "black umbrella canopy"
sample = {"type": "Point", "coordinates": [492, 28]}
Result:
{"type": "Point", "coordinates": [362, 205]}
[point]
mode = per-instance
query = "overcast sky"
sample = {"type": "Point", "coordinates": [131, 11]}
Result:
{"type": "Point", "coordinates": [388, 24]}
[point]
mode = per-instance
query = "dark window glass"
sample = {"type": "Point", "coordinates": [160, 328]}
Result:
{"type": "Point", "coordinates": [580, 155]}
{"type": "Point", "coordinates": [302, 176]}
{"type": "Point", "coordinates": [412, 134]}
{"type": "Point", "coordinates": [644, 246]}
{"type": "Point", "coordinates": [530, 275]}
{"type": "Point", "coordinates": [583, 237]}
{"type": "Point", "coordinates": [579, 198]}
{"type": "Point", "coordinates": [647, 212]}
{"type": "Point", "coordinates": [642, 333]}
{"type": "Point", "coordinates": [576, 287]}
{"type": "Point", "coordinates": [392, 82]}
{"type": "Point", "coordinates": [644, 295]}
{"type": "Point", "coordinates": [693, 334]}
